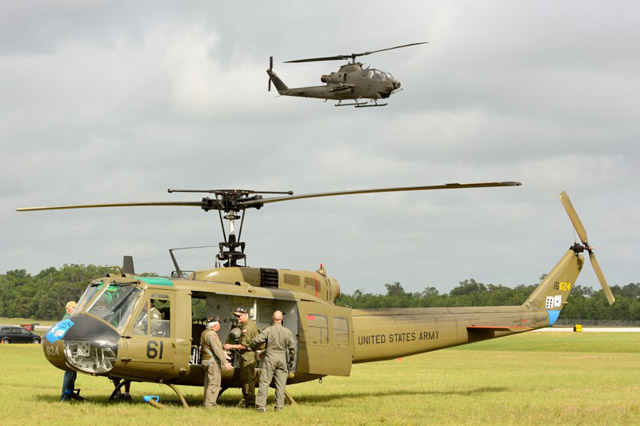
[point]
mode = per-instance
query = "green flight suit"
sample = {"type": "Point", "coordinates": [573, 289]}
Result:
{"type": "Point", "coordinates": [279, 341]}
{"type": "Point", "coordinates": [248, 363]}
{"type": "Point", "coordinates": [213, 357]}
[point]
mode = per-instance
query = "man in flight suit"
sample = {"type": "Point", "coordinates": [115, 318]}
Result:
{"type": "Point", "coordinates": [213, 357]}
{"type": "Point", "coordinates": [247, 356]}
{"type": "Point", "coordinates": [279, 341]}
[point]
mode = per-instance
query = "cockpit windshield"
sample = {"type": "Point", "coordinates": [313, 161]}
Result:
{"type": "Point", "coordinates": [115, 304]}
{"type": "Point", "coordinates": [88, 294]}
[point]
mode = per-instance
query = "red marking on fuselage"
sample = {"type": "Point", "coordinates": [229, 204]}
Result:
{"type": "Point", "coordinates": [316, 278]}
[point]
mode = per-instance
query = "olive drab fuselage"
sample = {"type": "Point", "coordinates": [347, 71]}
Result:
{"type": "Point", "coordinates": [351, 81]}
{"type": "Point", "coordinates": [330, 339]}
{"type": "Point", "coordinates": [148, 328]}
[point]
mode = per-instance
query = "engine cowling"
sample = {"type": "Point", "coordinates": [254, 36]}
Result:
{"type": "Point", "coordinates": [330, 78]}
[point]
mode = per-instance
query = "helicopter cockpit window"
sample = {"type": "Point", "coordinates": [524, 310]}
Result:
{"type": "Point", "coordinates": [88, 294]}
{"type": "Point", "coordinates": [388, 75]}
{"type": "Point", "coordinates": [114, 305]}
{"type": "Point", "coordinates": [154, 318]}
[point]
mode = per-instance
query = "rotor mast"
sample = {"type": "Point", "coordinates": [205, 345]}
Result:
{"type": "Point", "coordinates": [227, 201]}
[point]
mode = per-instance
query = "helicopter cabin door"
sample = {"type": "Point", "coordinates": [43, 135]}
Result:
{"type": "Point", "coordinates": [151, 337]}
{"type": "Point", "coordinates": [325, 344]}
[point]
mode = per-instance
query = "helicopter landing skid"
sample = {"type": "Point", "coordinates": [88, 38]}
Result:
{"type": "Point", "coordinates": [355, 104]}
{"type": "Point", "coordinates": [361, 104]}
{"type": "Point", "coordinates": [370, 106]}
{"type": "Point", "coordinates": [177, 391]}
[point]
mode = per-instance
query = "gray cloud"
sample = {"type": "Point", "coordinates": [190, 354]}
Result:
{"type": "Point", "coordinates": [111, 101]}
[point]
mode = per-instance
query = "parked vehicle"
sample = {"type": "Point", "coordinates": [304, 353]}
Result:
{"type": "Point", "coordinates": [11, 334]}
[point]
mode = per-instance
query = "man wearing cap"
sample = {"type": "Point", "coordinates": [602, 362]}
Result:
{"type": "Point", "coordinates": [279, 342]}
{"type": "Point", "coordinates": [247, 356]}
{"type": "Point", "coordinates": [69, 381]}
{"type": "Point", "coordinates": [213, 358]}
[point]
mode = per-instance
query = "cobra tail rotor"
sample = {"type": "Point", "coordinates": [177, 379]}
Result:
{"type": "Point", "coordinates": [582, 233]}
{"type": "Point", "coordinates": [270, 69]}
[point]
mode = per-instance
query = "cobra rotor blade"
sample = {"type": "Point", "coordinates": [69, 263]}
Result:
{"type": "Point", "coordinates": [573, 216]}
{"type": "Point", "coordinates": [319, 59]}
{"type": "Point", "coordinates": [352, 56]}
{"type": "Point", "coordinates": [391, 48]}
{"type": "Point", "coordinates": [91, 206]}
{"type": "Point", "coordinates": [603, 281]}
{"type": "Point", "coordinates": [371, 191]}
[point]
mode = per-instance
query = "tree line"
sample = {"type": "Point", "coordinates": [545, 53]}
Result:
{"type": "Point", "coordinates": [44, 295]}
{"type": "Point", "coordinates": [584, 302]}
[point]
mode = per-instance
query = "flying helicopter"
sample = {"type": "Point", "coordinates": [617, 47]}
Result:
{"type": "Point", "coordinates": [110, 335]}
{"type": "Point", "coordinates": [350, 82]}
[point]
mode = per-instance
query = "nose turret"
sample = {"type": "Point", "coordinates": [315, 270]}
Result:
{"type": "Point", "coordinates": [82, 343]}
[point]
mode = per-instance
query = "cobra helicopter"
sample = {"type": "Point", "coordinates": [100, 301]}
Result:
{"type": "Point", "coordinates": [109, 334]}
{"type": "Point", "coordinates": [351, 82]}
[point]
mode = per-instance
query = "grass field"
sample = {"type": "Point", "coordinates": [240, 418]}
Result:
{"type": "Point", "coordinates": [18, 321]}
{"type": "Point", "coordinates": [537, 378]}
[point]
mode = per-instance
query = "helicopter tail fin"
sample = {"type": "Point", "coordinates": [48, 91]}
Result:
{"type": "Point", "coordinates": [273, 77]}
{"type": "Point", "coordinates": [552, 292]}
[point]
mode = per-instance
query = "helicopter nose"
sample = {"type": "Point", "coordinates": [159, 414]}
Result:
{"type": "Point", "coordinates": [82, 343]}
{"type": "Point", "coordinates": [396, 85]}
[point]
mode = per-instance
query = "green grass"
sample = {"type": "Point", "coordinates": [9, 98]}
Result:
{"type": "Point", "coordinates": [562, 342]}
{"type": "Point", "coordinates": [537, 378]}
{"type": "Point", "coordinates": [18, 321]}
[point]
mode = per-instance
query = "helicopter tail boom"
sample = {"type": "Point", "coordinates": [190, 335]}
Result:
{"type": "Point", "coordinates": [391, 333]}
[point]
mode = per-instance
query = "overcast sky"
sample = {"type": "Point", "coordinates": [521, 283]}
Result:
{"type": "Point", "coordinates": [113, 101]}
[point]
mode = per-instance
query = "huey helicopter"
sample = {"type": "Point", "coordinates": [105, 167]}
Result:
{"type": "Point", "coordinates": [351, 82]}
{"type": "Point", "coordinates": [109, 334]}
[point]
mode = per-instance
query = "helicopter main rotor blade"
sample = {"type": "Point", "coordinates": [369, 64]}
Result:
{"type": "Point", "coordinates": [573, 216]}
{"type": "Point", "coordinates": [352, 56]}
{"type": "Point", "coordinates": [91, 206]}
{"type": "Point", "coordinates": [372, 191]}
{"type": "Point", "coordinates": [233, 199]}
{"type": "Point", "coordinates": [319, 59]}
{"type": "Point", "coordinates": [390, 48]}
{"type": "Point", "coordinates": [603, 282]}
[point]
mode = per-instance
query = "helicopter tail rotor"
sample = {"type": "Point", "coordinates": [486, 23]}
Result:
{"type": "Point", "coordinates": [270, 70]}
{"type": "Point", "coordinates": [273, 77]}
{"type": "Point", "coordinates": [582, 233]}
